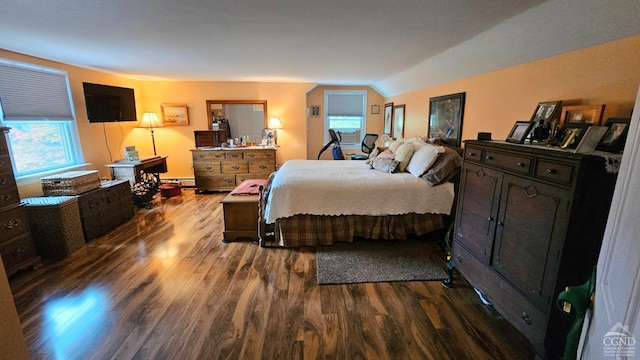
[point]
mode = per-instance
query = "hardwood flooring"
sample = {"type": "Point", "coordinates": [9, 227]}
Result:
{"type": "Point", "coordinates": [163, 286]}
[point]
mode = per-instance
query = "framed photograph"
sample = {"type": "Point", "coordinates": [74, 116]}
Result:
{"type": "Point", "coordinates": [375, 109]}
{"type": "Point", "coordinates": [586, 114]}
{"type": "Point", "coordinates": [315, 111]}
{"type": "Point", "coordinates": [545, 113]}
{"type": "Point", "coordinates": [175, 114]}
{"type": "Point", "coordinates": [398, 121]}
{"type": "Point", "coordinates": [571, 135]}
{"type": "Point", "coordinates": [520, 131]}
{"type": "Point", "coordinates": [614, 138]}
{"type": "Point", "coordinates": [445, 118]}
{"type": "Point", "coordinates": [388, 118]}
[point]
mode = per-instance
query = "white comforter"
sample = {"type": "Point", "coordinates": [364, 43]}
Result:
{"type": "Point", "coordinates": [328, 187]}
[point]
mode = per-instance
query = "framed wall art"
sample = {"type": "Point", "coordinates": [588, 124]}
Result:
{"type": "Point", "coordinates": [398, 121]}
{"type": "Point", "coordinates": [445, 118]}
{"type": "Point", "coordinates": [388, 118]}
{"type": "Point", "coordinates": [315, 111]}
{"type": "Point", "coordinates": [375, 109]}
{"type": "Point", "coordinates": [175, 114]}
{"type": "Point", "coordinates": [586, 114]}
{"type": "Point", "coordinates": [520, 131]}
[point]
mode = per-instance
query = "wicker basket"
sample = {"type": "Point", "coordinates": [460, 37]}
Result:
{"type": "Point", "coordinates": [70, 183]}
{"type": "Point", "coordinates": [55, 225]}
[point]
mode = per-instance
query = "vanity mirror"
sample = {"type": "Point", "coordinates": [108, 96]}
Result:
{"type": "Point", "coordinates": [243, 117]}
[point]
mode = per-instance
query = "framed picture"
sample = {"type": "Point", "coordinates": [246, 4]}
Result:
{"type": "Point", "coordinates": [614, 138]}
{"type": "Point", "coordinates": [388, 118]}
{"type": "Point", "coordinates": [545, 113]}
{"type": "Point", "coordinates": [375, 109]}
{"type": "Point", "coordinates": [445, 118]}
{"type": "Point", "coordinates": [520, 131]}
{"type": "Point", "coordinates": [586, 114]}
{"type": "Point", "coordinates": [398, 121]}
{"type": "Point", "coordinates": [315, 111]}
{"type": "Point", "coordinates": [175, 114]}
{"type": "Point", "coordinates": [571, 135]}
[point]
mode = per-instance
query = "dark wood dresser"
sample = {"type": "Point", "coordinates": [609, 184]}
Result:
{"type": "Point", "coordinates": [530, 222]}
{"type": "Point", "coordinates": [105, 208]}
{"type": "Point", "coordinates": [16, 245]}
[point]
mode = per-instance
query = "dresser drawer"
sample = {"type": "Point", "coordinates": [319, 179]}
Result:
{"type": "Point", "coordinates": [208, 155]}
{"type": "Point", "coordinates": [13, 223]}
{"type": "Point", "coordinates": [16, 251]}
{"type": "Point", "coordinates": [558, 172]}
{"type": "Point", "coordinates": [206, 167]}
{"type": "Point", "coordinates": [8, 193]}
{"type": "Point", "coordinates": [216, 182]}
{"type": "Point", "coordinates": [259, 154]}
{"type": "Point", "coordinates": [233, 155]}
{"type": "Point", "coordinates": [242, 177]}
{"type": "Point", "coordinates": [233, 167]}
{"type": "Point", "coordinates": [516, 163]}
{"type": "Point", "coordinates": [262, 166]}
{"type": "Point", "coordinates": [5, 164]}
{"type": "Point", "coordinates": [473, 154]}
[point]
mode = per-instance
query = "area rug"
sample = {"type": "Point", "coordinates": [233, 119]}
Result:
{"type": "Point", "coordinates": [377, 261]}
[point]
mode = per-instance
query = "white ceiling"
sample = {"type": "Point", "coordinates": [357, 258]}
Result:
{"type": "Point", "coordinates": [395, 46]}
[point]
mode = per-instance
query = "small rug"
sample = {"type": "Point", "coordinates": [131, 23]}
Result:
{"type": "Point", "coordinates": [377, 261]}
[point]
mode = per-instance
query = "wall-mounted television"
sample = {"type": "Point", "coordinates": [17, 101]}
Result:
{"type": "Point", "coordinates": [107, 103]}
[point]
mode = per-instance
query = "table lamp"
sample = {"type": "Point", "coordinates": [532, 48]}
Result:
{"type": "Point", "coordinates": [274, 125]}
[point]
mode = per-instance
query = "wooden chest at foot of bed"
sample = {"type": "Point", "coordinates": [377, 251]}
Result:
{"type": "Point", "coordinates": [240, 217]}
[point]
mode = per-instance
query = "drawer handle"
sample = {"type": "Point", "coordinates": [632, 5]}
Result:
{"type": "Point", "coordinates": [11, 224]}
{"type": "Point", "coordinates": [251, 155]}
{"type": "Point", "coordinates": [235, 167]}
{"type": "Point", "coordinates": [268, 155]}
{"type": "Point", "coordinates": [520, 164]}
{"type": "Point", "coordinates": [200, 156]}
{"type": "Point", "coordinates": [489, 157]}
{"type": "Point", "coordinates": [526, 318]}
{"type": "Point", "coordinates": [19, 250]}
{"type": "Point", "coordinates": [552, 171]}
{"type": "Point", "coordinates": [1, 162]}
{"type": "Point", "coordinates": [262, 167]}
{"type": "Point", "coordinates": [459, 258]}
{"type": "Point", "coordinates": [500, 223]}
{"type": "Point", "coordinates": [208, 167]}
{"type": "Point", "coordinates": [5, 197]}
{"type": "Point", "coordinates": [3, 180]}
{"type": "Point", "coordinates": [228, 181]}
{"type": "Point", "coordinates": [472, 154]}
{"type": "Point", "coordinates": [235, 155]}
{"type": "Point", "coordinates": [218, 156]}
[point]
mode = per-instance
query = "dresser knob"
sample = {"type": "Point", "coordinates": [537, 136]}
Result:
{"type": "Point", "coordinates": [11, 224]}
{"type": "Point", "coordinates": [227, 181]}
{"type": "Point", "coordinates": [5, 197]}
{"type": "Point", "coordinates": [459, 258]}
{"type": "Point", "coordinates": [262, 167]}
{"type": "Point", "coordinates": [552, 171]}
{"type": "Point", "coordinates": [235, 167]}
{"type": "Point", "coordinates": [251, 155]}
{"type": "Point", "coordinates": [526, 318]}
{"type": "Point", "coordinates": [500, 223]}
{"type": "Point", "coordinates": [489, 157]}
{"type": "Point", "coordinates": [520, 164]}
{"type": "Point", "coordinates": [19, 250]}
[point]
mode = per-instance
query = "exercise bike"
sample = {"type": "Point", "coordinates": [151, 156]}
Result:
{"type": "Point", "coordinates": [335, 141]}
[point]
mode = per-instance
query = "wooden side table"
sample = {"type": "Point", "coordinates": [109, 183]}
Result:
{"type": "Point", "coordinates": [240, 217]}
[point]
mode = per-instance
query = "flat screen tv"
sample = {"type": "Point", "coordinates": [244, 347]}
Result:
{"type": "Point", "coordinates": [107, 103]}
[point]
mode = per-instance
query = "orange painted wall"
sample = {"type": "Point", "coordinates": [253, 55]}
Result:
{"type": "Point", "coordinates": [605, 74]}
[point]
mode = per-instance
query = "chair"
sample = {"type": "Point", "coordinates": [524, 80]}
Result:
{"type": "Point", "coordinates": [367, 146]}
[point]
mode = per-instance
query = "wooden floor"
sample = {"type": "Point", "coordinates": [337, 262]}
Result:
{"type": "Point", "coordinates": [163, 286]}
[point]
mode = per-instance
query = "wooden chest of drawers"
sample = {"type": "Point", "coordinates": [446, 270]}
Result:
{"type": "Point", "coordinates": [224, 169]}
{"type": "Point", "coordinates": [16, 246]}
{"type": "Point", "coordinates": [105, 208]}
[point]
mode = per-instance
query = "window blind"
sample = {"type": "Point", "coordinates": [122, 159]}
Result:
{"type": "Point", "coordinates": [345, 105]}
{"type": "Point", "coordinates": [34, 93]}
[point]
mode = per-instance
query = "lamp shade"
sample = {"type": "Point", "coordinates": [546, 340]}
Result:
{"type": "Point", "coordinates": [275, 123]}
{"type": "Point", "coordinates": [150, 120]}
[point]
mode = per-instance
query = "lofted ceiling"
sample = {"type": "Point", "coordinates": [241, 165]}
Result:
{"type": "Point", "coordinates": [395, 46]}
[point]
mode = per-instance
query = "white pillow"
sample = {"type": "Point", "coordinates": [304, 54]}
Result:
{"type": "Point", "coordinates": [422, 159]}
{"type": "Point", "coordinates": [395, 145]}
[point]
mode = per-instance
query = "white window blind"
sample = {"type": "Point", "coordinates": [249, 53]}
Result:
{"type": "Point", "coordinates": [345, 104]}
{"type": "Point", "coordinates": [33, 93]}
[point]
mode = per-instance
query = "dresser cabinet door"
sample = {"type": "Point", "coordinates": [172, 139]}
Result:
{"type": "Point", "coordinates": [478, 208]}
{"type": "Point", "coordinates": [530, 232]}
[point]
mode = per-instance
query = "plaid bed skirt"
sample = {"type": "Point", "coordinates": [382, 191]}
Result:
{"type": "Point", "coordinates": [312, 230]}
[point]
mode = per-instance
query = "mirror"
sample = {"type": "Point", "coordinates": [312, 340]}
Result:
{"type": "Point", "coordinates": [244, 117]}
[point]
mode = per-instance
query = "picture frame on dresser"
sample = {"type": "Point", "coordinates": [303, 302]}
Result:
{"type": "Point", "coordinates": [519, 132]}
{"type": "Point", "coordinates": [589, 114]}
{"type": "Point", "coordinates": [571, 135]}
{"type": "Point", "coordinates": [545, 113]}
{"type": "Point", "coordinates": [615, 137]}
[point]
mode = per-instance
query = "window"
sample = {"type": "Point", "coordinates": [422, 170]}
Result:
{"type": "Point", "coordinates": [35, 102]}
{"type": "Point", "coordinates": [346, 114]}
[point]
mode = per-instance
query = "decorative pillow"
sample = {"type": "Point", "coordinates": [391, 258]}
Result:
{"type": "Point", "coordinates": [395, 145]}
{"type": "Point", "coordinates": [423, 159]}
{"type": "Point", "coordinates": [387, 154]}
{"type": "Point", "coordinates": [372, 155]}
{"type": "Point", "coordinates": [384, 164]}
{"type": "Point", "coordinates": [403, 156]}
{"type": "Point", "coordinates": [447, 166]}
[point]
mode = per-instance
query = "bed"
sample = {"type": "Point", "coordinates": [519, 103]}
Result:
{"type": "Point", "coordinates": [319, 202]}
